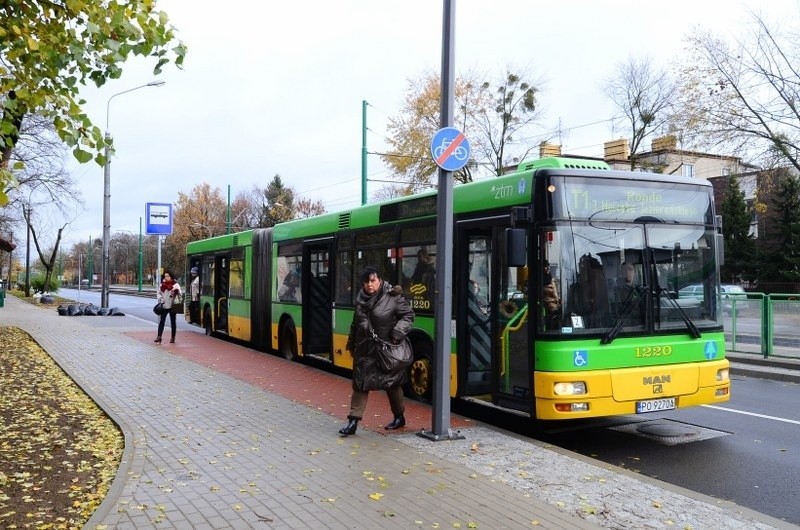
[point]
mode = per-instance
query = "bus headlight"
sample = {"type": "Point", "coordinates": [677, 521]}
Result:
{"type": "Point", "coordinates": [574, 388]}
{"type": "Point", "coordinates": [722, 374]}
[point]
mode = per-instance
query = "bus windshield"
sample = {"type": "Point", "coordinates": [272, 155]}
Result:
{"type": "Point", "coordinates": [622, 256]}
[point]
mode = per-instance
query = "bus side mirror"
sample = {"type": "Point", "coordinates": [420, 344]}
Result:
{"type": "Point", "coordinates": [516, 247]}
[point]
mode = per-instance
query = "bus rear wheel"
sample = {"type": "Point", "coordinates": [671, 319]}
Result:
{"type": "Point", "coordinates": [288, 343]}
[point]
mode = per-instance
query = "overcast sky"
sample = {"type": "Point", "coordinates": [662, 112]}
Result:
{"type": "Point", "coordinates": [276, 87]}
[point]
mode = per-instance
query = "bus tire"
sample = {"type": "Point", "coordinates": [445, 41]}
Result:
{"type": "Point", "coordinates": [288, 342]}
{"type": "Point", "coordinates": [420, 374]}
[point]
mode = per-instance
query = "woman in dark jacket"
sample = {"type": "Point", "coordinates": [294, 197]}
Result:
{"type": "Point", "coordinates": [379, 307]}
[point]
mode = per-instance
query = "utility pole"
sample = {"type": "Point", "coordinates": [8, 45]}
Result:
{"type": "Point", "coordinates": [364, 152]}
{"type": "Point", "coordinates": [27, 215]}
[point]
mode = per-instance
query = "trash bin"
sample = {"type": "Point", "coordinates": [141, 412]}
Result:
{"type": "Point", "coordinates": [2, 297]}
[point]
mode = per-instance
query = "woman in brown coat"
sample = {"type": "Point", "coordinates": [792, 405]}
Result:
{"type": "Point", "coordinates": [382, 315]}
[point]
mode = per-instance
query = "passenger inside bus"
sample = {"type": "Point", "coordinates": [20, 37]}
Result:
{"type": "Point", "coordinates": [551, 301]}
{"type": "Point", "coordinates": [589, 294]}
{"type": "Point", "coordinates": [424, 272]}
{"type": "Point", "coordinates": [479, 329]}
{"type": "Point", "coordinates": [627, 277]}
{"type": "Point", "coordinates": [288, 292]}
{"type": "Point", "coordinates": [625, 294]}
{"type": "Point", "coordinates": [344, 287]}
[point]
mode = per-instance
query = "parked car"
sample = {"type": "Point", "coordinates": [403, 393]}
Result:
{"type": "Point", "coordinates": [728, 293]}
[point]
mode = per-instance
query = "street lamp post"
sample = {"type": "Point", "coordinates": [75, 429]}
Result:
{"type": "Point", "coordinates": [140, 256]}
{"type": "Point", "coordinates": [107, 196]}
{"type": "Point", "coordinates": [28, 253]}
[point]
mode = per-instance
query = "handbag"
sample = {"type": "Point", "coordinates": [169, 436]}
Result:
{"type": "Point", "coordinates": [158, 309]}
{"type": "Point", "coordinates": [392, 358]}
{"type": "Point", "coordinates": [178, 298]}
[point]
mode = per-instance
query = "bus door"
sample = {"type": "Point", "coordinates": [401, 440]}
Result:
{"type": "Point", "coordinates": [476, 342]}
{"type": "Point", "coordinates": [318, 306]}
{"type": "Point", "coordinates": [221, 272]}
{"type": "Point", "coordinates": [514, 374]}
{"type": "Point", "coordinates": [492, 322]}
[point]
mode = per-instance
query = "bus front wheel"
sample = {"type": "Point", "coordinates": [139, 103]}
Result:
{"type": "Point", "coordinates": [288, 344]}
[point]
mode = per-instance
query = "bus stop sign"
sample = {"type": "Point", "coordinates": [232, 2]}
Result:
{"type": "Point", "coordinates": [450, 149]}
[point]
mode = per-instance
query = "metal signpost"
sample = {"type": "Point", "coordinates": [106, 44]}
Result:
{"type": "Point", "coordinates": [449, 148]}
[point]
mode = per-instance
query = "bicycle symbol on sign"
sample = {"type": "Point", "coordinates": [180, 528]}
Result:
{"type": "Point", "coordinates": [460, 153]}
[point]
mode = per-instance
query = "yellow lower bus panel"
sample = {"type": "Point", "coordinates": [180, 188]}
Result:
{"type": "Point", "coordinates": [598, 393]}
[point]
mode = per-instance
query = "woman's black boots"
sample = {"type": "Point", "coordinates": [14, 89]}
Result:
{"type": "Point", "coordinates": [350, 428]}
{"type": "Point", "coordinates": [397, 422]}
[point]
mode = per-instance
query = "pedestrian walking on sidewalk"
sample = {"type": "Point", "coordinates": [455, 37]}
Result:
{"type": "Point", "coordinates": [168, 295]}
{"type": "Point", "coordinates": [382, 316]}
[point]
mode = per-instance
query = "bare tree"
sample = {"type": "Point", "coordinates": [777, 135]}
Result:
{"type": "Point", "coordinates": [742, 96]}
{"type": "Point", "coordinates": [43, 155]}
{"type": "Point", "coordinates": [305, 208]}
{"type": "Point", "coordinates": [48, 260]}
{"type": "Point", "coordinates": [643, 94]}
{"type": "Point", "coordinates": [43, 186]}
{"type": "Point", "coordinates": [392, 191]}
{"type": "Point", "coordinates": [500, 113]}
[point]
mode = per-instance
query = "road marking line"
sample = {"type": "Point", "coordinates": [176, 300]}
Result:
{"type": "Point", "coordinates": [752, 414]}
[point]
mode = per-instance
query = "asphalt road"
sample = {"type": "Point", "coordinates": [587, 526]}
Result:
{"type": "Point", "coordinates": [746, 451]}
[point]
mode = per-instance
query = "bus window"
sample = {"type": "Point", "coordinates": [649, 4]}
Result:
{"type": "Point", "coordinates": [288, 279]}
{"type": "Point", "coordinates": [377, 249]}
{"type": "Point", "coordinates": [344, 278]}
{"type": "Point", "coordinates": [419, 277]}
{"type": "Point", "coordinates": [236, 273]}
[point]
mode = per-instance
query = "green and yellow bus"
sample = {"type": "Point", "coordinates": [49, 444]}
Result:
{"type": "Point", "coordinates": [612, 247]}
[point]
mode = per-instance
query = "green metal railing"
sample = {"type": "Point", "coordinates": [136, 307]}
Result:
{"type": "Point", "coordinates": [768, 324]}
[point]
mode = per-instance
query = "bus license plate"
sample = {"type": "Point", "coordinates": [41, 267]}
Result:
{"type": "Point", "coordinates": [655, 405]}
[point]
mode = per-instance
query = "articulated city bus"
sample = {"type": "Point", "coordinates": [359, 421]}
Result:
{"type": "Point", "coordinates": [565, 289]}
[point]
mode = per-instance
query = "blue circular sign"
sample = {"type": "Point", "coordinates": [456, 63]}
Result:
{"type": "Point", "coordinates": [450, 149]}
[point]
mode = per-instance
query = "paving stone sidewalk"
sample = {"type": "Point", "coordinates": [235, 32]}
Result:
{"type": "Point", "coordinates": [208, 450]}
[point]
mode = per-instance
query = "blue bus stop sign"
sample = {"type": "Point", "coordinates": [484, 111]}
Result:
{"type": "Point", "coordinates": [450, 149]}
{"type": "Point", "coordinates": [159, 218]}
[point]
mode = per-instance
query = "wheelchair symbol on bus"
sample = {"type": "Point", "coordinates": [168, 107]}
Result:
{"type": "Point", "coordinates": [581, 358]}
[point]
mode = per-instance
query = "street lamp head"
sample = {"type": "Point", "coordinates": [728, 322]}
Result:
{"type": "Point", "coordinates": [158, 82]}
